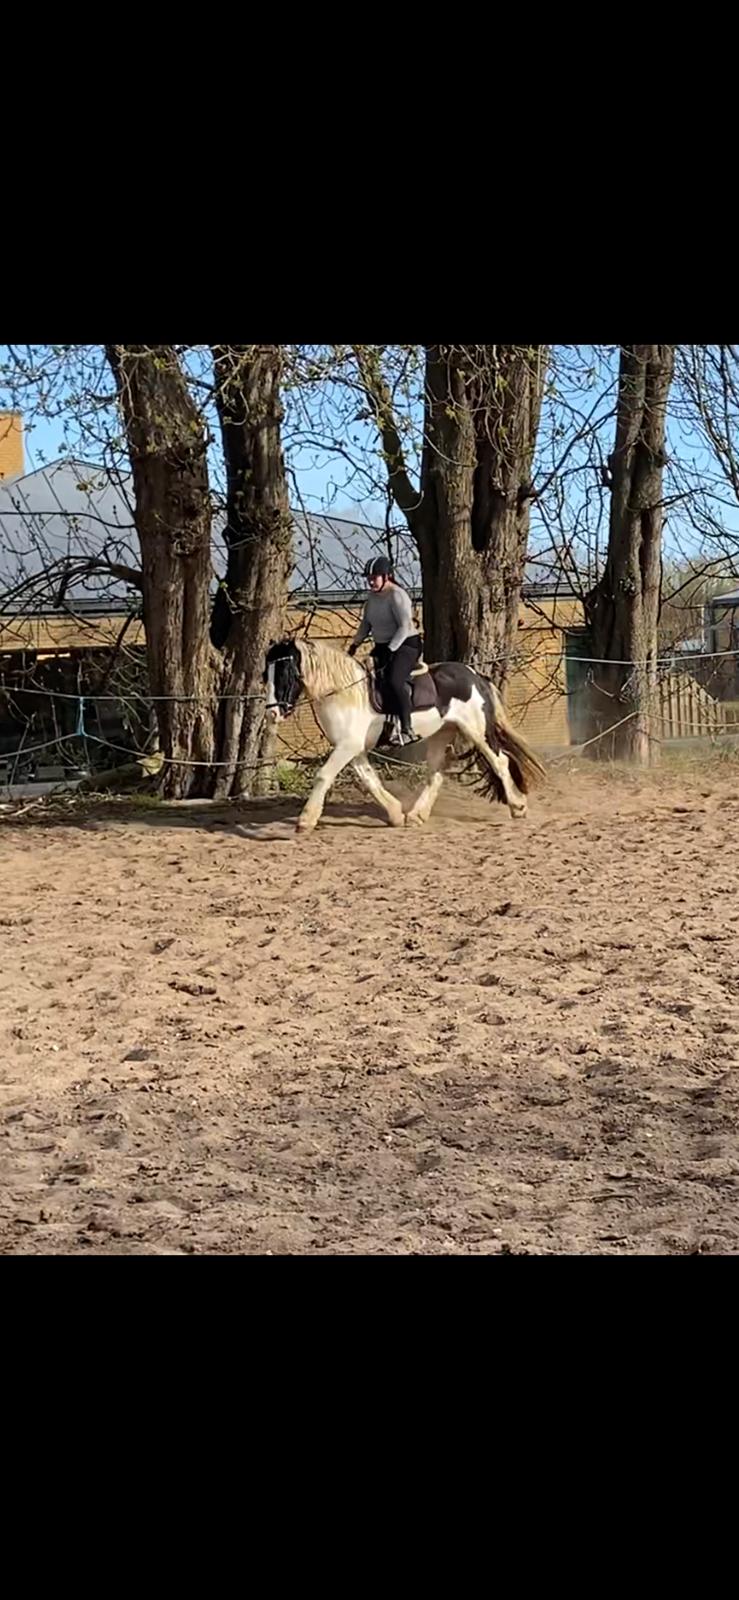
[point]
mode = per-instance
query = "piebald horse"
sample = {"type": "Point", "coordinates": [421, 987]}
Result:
{"type": "Point", "coordinates": [453, 703]}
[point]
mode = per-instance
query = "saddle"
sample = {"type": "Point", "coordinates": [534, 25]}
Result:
{"type": "Point", "coordinates": [422, 686]}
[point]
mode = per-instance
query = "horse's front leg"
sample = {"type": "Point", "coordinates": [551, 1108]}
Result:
{"type": "Point", "coordinates": [329, 772]}
{"type": "Point", "coordinates": [371, 782]}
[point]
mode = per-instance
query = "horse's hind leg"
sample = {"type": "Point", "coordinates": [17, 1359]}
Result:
{"type": "Point", "coordinates": [329, 772]}
{"type": "Point", "coordinates": [436, 751]}
{"type": "Point", "coordinates": [370, 781]}
{"type": "Point", "coordinates": [516, 801]}
{"type": "Point", "coordinates": [471, 721]}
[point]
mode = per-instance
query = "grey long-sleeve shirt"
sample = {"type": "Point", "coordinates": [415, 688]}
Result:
{"type": "Point", "coordinates": [388, 616]}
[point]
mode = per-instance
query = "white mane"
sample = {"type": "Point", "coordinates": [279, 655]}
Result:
{"type": "Point", "coordinates": [326, 670]}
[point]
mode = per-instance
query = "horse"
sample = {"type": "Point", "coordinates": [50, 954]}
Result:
{"type": "Point", "coordinates": [451, 702]}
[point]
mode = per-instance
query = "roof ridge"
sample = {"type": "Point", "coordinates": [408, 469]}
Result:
{"type": "Point", "coordinates": [60, 461]}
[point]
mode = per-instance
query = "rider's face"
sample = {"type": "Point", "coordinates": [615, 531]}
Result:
{"type": "Point", "coordinates": [377, 581]}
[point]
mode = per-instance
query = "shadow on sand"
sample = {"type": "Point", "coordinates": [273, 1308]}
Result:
{"type": "Point", "coordinates": [263, 820]}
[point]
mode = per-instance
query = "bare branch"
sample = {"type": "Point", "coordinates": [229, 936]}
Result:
{"type": "Point", "coordinates": [406, 497]}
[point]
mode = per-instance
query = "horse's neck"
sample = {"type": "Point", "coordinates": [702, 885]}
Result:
{"type": "Point", "coordinates": [322, 682]}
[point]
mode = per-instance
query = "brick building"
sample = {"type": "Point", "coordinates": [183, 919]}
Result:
{"type": "Point", "coordinates": [67, 536]}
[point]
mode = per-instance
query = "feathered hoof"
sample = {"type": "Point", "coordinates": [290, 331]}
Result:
{"type": "Point", "coordinates": [414, 820]}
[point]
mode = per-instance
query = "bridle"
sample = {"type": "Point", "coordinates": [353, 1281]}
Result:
{"type": "Point", "coordinates": [285, 707]}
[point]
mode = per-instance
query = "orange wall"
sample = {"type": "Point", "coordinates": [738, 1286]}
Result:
{"type": "Point", "coordinates": [12, 463]}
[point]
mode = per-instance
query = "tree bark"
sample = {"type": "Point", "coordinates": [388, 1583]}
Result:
{"type": "Point", "coordinates": [167, 449]}
{"type": "Point", "coordinates": [623, 608]}
{"type": "Point", "coordinates": [249, 609]}
{"type": "Point", "coordinates": [470, 516]}
{"type": "Point", "coordinates": [482, 414]}
{"type": "Point", "coordinates": [214, 742]}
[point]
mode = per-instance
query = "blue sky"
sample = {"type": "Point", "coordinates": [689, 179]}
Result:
{"type": "Point", "coordinates": [320, 478]}
{"type": "Point", "coordinates": [323, 481]}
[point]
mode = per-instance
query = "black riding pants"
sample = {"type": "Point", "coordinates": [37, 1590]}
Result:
{"type": "Point", "coordinates": [397, 666]}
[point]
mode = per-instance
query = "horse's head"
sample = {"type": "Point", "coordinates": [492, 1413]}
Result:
{"type": "Point", "coordinates": [283, 678]}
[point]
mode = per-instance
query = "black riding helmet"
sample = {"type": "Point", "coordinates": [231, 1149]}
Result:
{"type": "Point", "coordinates": [381, 567]}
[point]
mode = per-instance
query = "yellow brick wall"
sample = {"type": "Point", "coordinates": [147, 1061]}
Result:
{"type": "Point", "coordinates": [49, 634]}
{"type": "Point", "coordinates": [12, 464]}
{"type": "Point", "coordinates": [537, 689]}
{"type": "Point", "coordinates": [536, 694]}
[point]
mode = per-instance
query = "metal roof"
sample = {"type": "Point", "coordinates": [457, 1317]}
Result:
{"type": "Point", "coordinates": [331, 554]}
{"type": "Point", "coordinates": [54, 519]}
{"type": "Point", "coordinates": [725, 599]}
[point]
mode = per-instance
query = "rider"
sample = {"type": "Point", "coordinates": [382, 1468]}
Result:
{"type": "Point", "coordinates": [388, 616]}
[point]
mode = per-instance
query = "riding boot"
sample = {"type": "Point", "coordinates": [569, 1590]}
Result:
{"type": "Point", "coordinates": [407, 735]}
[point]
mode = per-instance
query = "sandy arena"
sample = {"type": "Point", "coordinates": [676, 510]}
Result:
{"type": "Point", "coordinates": [484, 1038]}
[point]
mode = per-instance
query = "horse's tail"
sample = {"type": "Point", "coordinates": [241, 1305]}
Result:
{"type": "Point", "coordinates": [526, 768]}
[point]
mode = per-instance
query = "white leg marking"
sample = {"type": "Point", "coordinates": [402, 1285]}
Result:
{"type": "Point", "coordinates": [369, 779]}
{"type": "Point", "coordinates": [436, 750]}
{"type": "Point", "coordinates": [516, 802]}
{"type": "Point", "coordinates": [470, 718]}
{"type": "Point", "coordinates": [328, 774]}
{"type": "Point", "coordinates": [271, 699]}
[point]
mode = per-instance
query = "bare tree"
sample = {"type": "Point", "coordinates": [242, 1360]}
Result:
{"type": "Point", "coordinates": [167, 447]}
{"type": "Point", "coordinates": [205, 658]}
{"type": "Point", "coordinates": [707, 406]}
{"type": "Point", "coordinates": [469, 511]}
{"type": "Point", "coordinates": [623, 607]}
{"type": "Point", "coordinates": [249, 606]}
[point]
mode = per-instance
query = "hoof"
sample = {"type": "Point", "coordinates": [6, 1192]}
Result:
{"type": "Point", "coordinates": [396, 819]}
{"type": "Point", "coordinates": [302, 827]}
{"type": "Point", "coordinates": [519, 812]}
{"type": "Point", "coordinates": [415, 820]}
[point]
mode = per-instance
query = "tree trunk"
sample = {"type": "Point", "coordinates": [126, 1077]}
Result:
{"type": "Point", "coordinates": [249, 612]}
{"type": "Point", "coordinates": [167, 449]}
{"type": "Point", "coordinates": [623, 608]}
{"type": "Point", "coordinates": [482, 415]}
{"type": "Point", "coordinates": [470, 516]}
{"type": "Point", "coordinates": [214, 743]}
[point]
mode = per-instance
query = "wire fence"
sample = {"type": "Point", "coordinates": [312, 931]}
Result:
{"type": "Point", "coordinates": [685, 709]}
{"type": "Point", "coordinates": [70, 584]}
